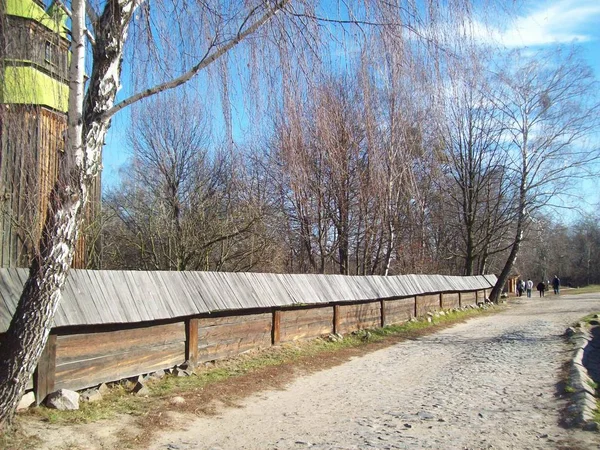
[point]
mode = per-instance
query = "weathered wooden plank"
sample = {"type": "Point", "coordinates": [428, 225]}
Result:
{"type": "Point", "coordinates": [359, 316]}
{"type": "Point", "coordinates": [115, 366]}
{"type": "Point", "coordinates": [468, 298]}
{"type": "Point", "coordinates": [450, 300]}
{"type": "Point", "coordinates": [306, 323]}
{"type": "Point", "coordinates": [399, 311]}
{"type": "Point", "coordinates": [230, 335]}
{"type": "Point", "coordinates": [427, 303]}
{"type": "Point", "coordinates": [216, 332]}
{"type": "Point", "coordinates": [77, 347]}
{"type": "Point", "coordinates": [44, 377]}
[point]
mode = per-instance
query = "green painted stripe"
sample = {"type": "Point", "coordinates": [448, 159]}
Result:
{"type": "Point", "coordinates": [25, 85]}
{"type": "Point", "coordinates": [28, 9]}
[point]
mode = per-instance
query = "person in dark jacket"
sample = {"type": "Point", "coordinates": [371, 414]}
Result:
{"type": "Point", "coordinates": [556, 285]}
{"type": "Point", "coordinates": [541, 287]}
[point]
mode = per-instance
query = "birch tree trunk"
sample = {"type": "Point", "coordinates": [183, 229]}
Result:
{"type": "Point", "coordinates": [26, 337]}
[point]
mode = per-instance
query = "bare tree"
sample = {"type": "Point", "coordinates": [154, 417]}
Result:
{"type": "Point", "coordinates": [476, 185]}
{"type": "Point", "coordinates": [549, 108]}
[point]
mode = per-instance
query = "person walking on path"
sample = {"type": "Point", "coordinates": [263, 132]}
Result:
{"type": "Point", "coordinates": [556, 285]}
{"type": "Point", "coordinates": [520, 287]}
{"type": "Point", "coordinates": [529, 287]}
{"type": "Point", "coordinates": [541, 287]}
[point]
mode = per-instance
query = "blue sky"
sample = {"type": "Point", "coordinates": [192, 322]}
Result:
{"type": "Point", "coordinates": [536, 24]}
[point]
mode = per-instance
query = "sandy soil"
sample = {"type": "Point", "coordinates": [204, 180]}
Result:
{"type": "Point", "coordinates": [490, 383]}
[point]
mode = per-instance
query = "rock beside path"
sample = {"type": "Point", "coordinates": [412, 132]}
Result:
{"type": "Point", "coordinates": [63, 399]}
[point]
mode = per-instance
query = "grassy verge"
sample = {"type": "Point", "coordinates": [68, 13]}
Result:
{"type": "Point", "coordinates": [229, 380]}
{"type": "Point", "coordinates": [591, 289]}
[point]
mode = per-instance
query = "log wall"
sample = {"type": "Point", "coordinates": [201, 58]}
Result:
{"type": "Point", "coordinates": [305, 323]}
{"type": "Point", "coordinates": [223, 337]}
{"type": "Point", "coordinates": [450, 300]}
{"type": "Point", "coordinates": [468, 298]}
{"type": "Point", "coordinates": [87, 356]}
{"type": "Point", "coordinates": [399, 311]}
{"type": "Point", "coordinates": [427, 303]}
{"type": "Point", "coordinates": [87, 359]}
{"type": "Point", "coordinates": [359, 316]}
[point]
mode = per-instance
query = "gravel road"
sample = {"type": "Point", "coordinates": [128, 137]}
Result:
{"type": "Point", "coordinates": [490, 383]}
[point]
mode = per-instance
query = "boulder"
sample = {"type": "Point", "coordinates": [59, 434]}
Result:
{"type": "Point", "coordinates": [63, 400]}
{"type": "Point", "coordinates": [570, 332]}
{"type": "Point", "coordinates": [91, 395]}
{"type": "Point", "coordinates": [26, 401]}
{"type": "Point", "coordinates": [141, 390]}
{"type": "Point", "coordinates": [177, 401]}
{"type": "Point", "coordinates": [158, 374]}
{"type": "Point", "coordinates": [103, 388]}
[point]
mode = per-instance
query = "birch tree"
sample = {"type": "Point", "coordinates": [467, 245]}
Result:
{"type": "Point", "coordinates": [90, 113]}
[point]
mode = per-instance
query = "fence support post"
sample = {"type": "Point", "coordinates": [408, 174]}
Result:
{"type": "Point", "coordinates": [459, 299]}
{"type": "Point", "coordinates": [191, 341]}
{"type": "Point", "coordinates": [382, 313]}
{"type": "Point", "coordinates": [45, 372]}
{"type": "Point", "coordinates": [441, 300]}
{"type": "Point", "coordinates": [416, 302]}
{"type": "Point", "coordinates": [336, 319]}
{"type": "Point", "coordinates": [276, 328]}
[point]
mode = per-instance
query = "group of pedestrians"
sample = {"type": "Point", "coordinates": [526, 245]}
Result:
{"type": "Point", "coordinates": [527, 287]}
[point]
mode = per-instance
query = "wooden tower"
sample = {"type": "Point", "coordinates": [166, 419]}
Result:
{"type": "Point", "coordinates": [33, 95]}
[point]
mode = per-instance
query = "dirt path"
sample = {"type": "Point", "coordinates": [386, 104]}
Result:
{"type": "Point", "coordinates": [490, 383]}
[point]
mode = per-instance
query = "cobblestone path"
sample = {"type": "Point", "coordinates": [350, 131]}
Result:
{"type": "Point", "coordinates": [490, 383]}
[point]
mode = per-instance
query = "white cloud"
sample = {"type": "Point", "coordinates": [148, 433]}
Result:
{"type": "Point", "coordinates": [550, 22]}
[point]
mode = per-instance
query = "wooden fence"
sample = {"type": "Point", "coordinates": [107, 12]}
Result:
{"type": "Point", "coordinates": [77, 357]}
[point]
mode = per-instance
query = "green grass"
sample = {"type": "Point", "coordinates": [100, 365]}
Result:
{"type": "Point", "coordinates": [120, 401]}
{"type": "Point", "coordinates": [592, 288]}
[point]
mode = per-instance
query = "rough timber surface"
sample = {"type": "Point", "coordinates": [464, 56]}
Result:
{"type": "Point", "coordinates": [399, 311]}
{"type": "Point", "coordinates": [305, 323]}
{"type": "Point", "coordinates": [359, 316]}
{"type": "Point", "coordinates": [450, 300]}
{"type": "Point", "coordinates": [427, 303]}
{"type": "Point", "coordinates": [112, 297]}
{"type": "Point", "coordinates": [468, 298]}
{"type": "Point", "coordinates": [86, 359]}
{"type": "Point", "coordinates": [222, 337]}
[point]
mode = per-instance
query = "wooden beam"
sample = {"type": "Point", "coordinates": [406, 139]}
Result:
{"type": "Point", "coordinates": [336, 319]}
{"type": "Point", "coordinates": [441, 300]}
{"type": "Point", "coordinates": [382, 313]}
{"type": "Point", "coordinates": [191, 341]}
{"type": "Point", "coordinates": [460, 299]}
{"type": "Point", "coordinates": [416, 297]}
{"type": "Point", "coordinates": [276, 329]}
{"type": "Point", "coordinates": [45, 372]}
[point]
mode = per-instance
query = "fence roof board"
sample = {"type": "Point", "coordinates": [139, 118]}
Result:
{"type": "Point", "coordinates": [108, 297]}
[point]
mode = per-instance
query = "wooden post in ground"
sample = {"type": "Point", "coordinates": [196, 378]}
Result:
{"type": "Point", "coordinates": [44, 375]}
{"type": "Point", "coordinates": [336, 319]}
{"type": "Point", "coordinates": [191, 341]}
{"type": "Point", "coordinates": [382, 313]}
{"type": "Point", "coordinates": [276, 328]}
